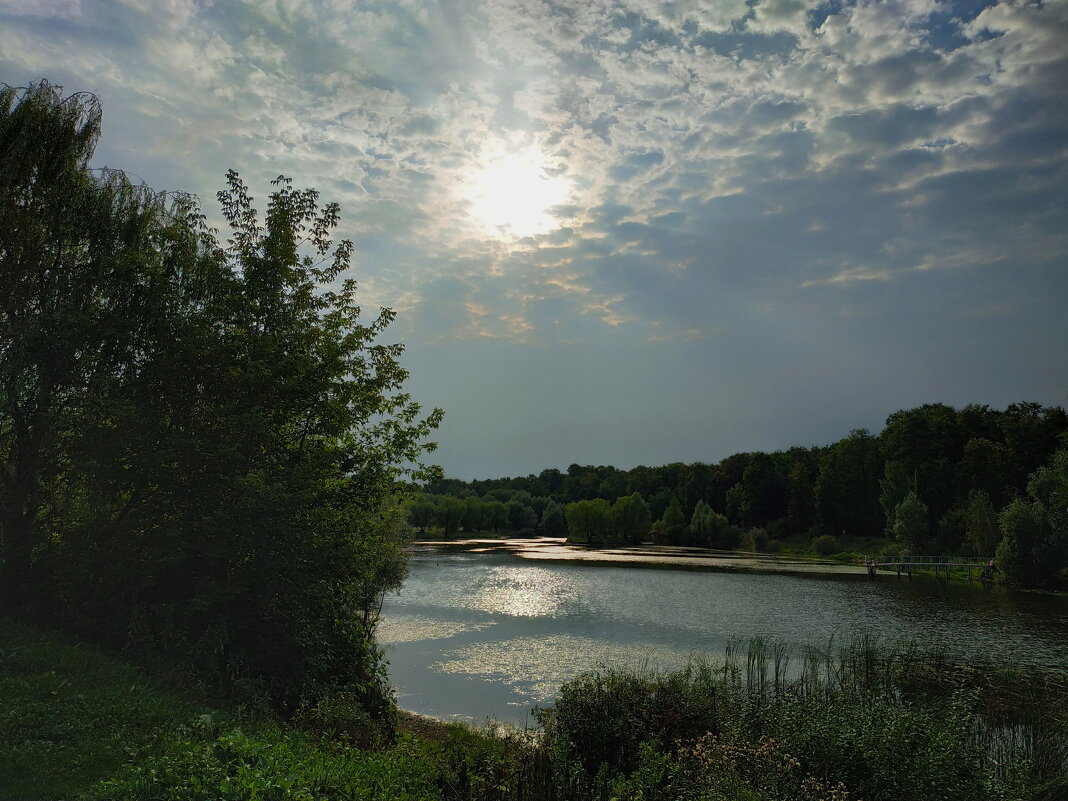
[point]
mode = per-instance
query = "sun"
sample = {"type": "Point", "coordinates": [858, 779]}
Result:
{"type": "Point", "coordinates": [513, 195]}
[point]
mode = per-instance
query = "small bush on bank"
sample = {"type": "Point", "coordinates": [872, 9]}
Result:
{"type": "Point", "coordinates": [756, 539]}
{"type": "Point", "coordinates": [825, 545]}
{"type": "Point", "coordinates": [602, 719]}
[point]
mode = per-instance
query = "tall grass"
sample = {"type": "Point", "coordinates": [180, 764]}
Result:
{"type": "Point", "coordinates": [850, 718]}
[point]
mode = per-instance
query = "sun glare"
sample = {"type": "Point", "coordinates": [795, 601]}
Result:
{"type": "Point", "coordinates": [513, 195]}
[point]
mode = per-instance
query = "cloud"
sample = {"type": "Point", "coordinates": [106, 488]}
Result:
{"type": "Point", "coordinates": [770, 170]}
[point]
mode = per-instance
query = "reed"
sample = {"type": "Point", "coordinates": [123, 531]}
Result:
{"type": "Point", "coordinates": [882, 720]}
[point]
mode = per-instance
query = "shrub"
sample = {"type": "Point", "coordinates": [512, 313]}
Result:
{"type": "Point", "coordinates": [756, 539]}
{"type": "Point", "coordinates": [825, 545]}
{"type": "Point", "coordinates": [601, 721]}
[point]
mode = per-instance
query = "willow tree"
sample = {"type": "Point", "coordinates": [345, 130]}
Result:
{"type": "Point", "coordinates": [83, 257]}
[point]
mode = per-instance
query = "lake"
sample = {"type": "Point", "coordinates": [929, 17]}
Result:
{"type": "Point", "coordinates": [491, 632]}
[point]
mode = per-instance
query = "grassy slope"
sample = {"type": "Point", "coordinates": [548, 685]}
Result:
{"type": "Point", "coordinates": [71, 715]}
{"type": "Point", "coordinates": [78, 723]}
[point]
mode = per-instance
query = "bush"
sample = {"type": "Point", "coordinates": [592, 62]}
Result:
{"type": "Point", "coordinates": [602, 720]}
{"type": "Point", "coordinates": [825, 545]}
{"type": "Point", "coordinates": [756, 539]}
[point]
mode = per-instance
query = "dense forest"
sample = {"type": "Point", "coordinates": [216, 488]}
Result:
{"type": "Point", "coordinates": [936, 480]}
{"type": "Point", "coordinates": [200, 442]}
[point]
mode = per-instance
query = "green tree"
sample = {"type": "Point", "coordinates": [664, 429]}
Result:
{"type": "Point", "coordinates": [801, 491]}
{"type": "Point", "coordinates": [765, 488]}
{"type": "Point", "coordinates": [895, 484]}
{"type": "Point", "coordinates": [84, 265]}
{"type": "Point", "coordinates": [422, 512]}
{"type": "Point", "coordinates": [630, 518]}
{"type": "Point", "coordinates": [847, 487]}
{"type": "Point", "coordinates": [701, 524]}
{"type": "Point", "coordinates": [737, 504]}
{"type": "Point", "coordinates": [911, 522]}
{"type": "Point", "coordinates": [1033, 551]}
{"type": "Point", "coordinates": [1025, 531]}
{"type": "Point", "coordinates": [497, 516]}
{"type": "Point", "coordinates": [521, 516]}
{"type": "Point", "coordinates": [450, 512]}
{"type": "Point", "coordinates": [474, 513]}
{"type": "Point", "coordinates": [552, 520]}
{"type": "Point", "coordinates": [673, 524]}
{"type": "Point", "coordinates": [219, 436]}
{"type": "Point", "coordinates": [981, 524]}
{"type": "Point", "coordinates": [589, 520]}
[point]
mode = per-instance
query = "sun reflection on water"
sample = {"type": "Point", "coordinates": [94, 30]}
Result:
{"type": "Point", "coordinates": [523, 592]}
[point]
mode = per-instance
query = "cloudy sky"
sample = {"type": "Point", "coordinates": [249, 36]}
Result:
{"type": "Point", "coordinates": [629, 232]}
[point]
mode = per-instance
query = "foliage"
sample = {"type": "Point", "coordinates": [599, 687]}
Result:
{"type": "Point", "coordinates": [825, 545]}
{"type": "Point", "coordinates": [1034, 546]}
{"type": "Point", "coordinates": [844, 721]}
{"type": "Point", "coordinates": [216, 433]}
{"type": "Point", "coordinates": [71, 716]}
{"type": "Point", "coordinates": [521, 516]}
{"type": "Point", "coordinates": [910, 522]}
{"type": "Point", "coordinates": [598, 726]}
{"type": "Point", "coordinates": [589, 520]}
{"type": "Point", "coordinates": [856, 721]}
{"type": "Point", "coordinates": [449, 512]}
{"type": "Point", "coordinates": [631, 520]}
{"type": "Point", "coordinates": [552, 520]}
{"type": "Point", "coordinates": [672, 527]}
{"type": "Point", "coordinates": [850, 489]}
{"type": "Point", "coordinates": [755, 539]}
{"type": "Point", "coordinates": [981, 525]}
{"type": "Point", "coordinates": [268, 763]}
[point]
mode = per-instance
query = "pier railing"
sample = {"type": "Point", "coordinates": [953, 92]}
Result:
{"type": "Point", "coordinates": [982, 567]}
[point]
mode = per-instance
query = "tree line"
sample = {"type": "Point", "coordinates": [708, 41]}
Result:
{"type": "Point", "coordinates": [200, 441]}
{"type": "Point", "coordinates": [936, 480]}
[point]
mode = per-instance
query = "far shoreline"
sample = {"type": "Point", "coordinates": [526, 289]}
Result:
{"type": "Point", "coordinates": [676, 557]}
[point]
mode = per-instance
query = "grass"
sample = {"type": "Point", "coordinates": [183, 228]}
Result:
{"type": "Point", "coordinates": [72, 715]}
{"type": "Point", "coordinates": [79, 723]}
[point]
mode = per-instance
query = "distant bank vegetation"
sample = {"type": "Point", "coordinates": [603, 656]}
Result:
{"type": "Point", "coordinates": [937, 480]}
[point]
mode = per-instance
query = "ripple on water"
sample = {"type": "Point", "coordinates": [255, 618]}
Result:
{"type": "Point", "coordinates": [397, 628]}
{"type": "Point", "coordinates": [537, 666]}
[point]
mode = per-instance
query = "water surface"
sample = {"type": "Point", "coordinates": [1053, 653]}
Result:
{"type": "Point", "coordinates": [477, 635]}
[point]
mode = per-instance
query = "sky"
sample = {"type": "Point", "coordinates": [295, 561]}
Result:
{"type": "Point", "coordinates": [628, 232]}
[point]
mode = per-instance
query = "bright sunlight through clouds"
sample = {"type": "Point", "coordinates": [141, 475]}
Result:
{"type": "Point", "coordinates": [514, 195]}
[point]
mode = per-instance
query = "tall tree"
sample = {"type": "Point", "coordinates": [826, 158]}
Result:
{"type": "Point", "coordinates": [847, 488]}
{"type": "Point", "coordinates": [451, 512]}
{"type": "Point", "coordinates": [88, 263]}
{"type": "Point", "coordinates": [981, 524]}
{"type": "Point", "coordinates": [673, 524]}
{"type": "Point", "coordinates": [217, 435]}
{"type": "Point", "coordinates": [630, 518]}
{"type": "Point", "coordinates": [552, 520]}
{"type": "Point", "coordinates": [589, 520]}
{"type": "Point", "coordinates": [911, 523]}
{"type": "Point", "coordinates": [473, 513]}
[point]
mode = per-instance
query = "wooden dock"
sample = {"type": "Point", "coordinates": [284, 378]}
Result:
{"type": "Point", "coordinates": [978, 567]}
